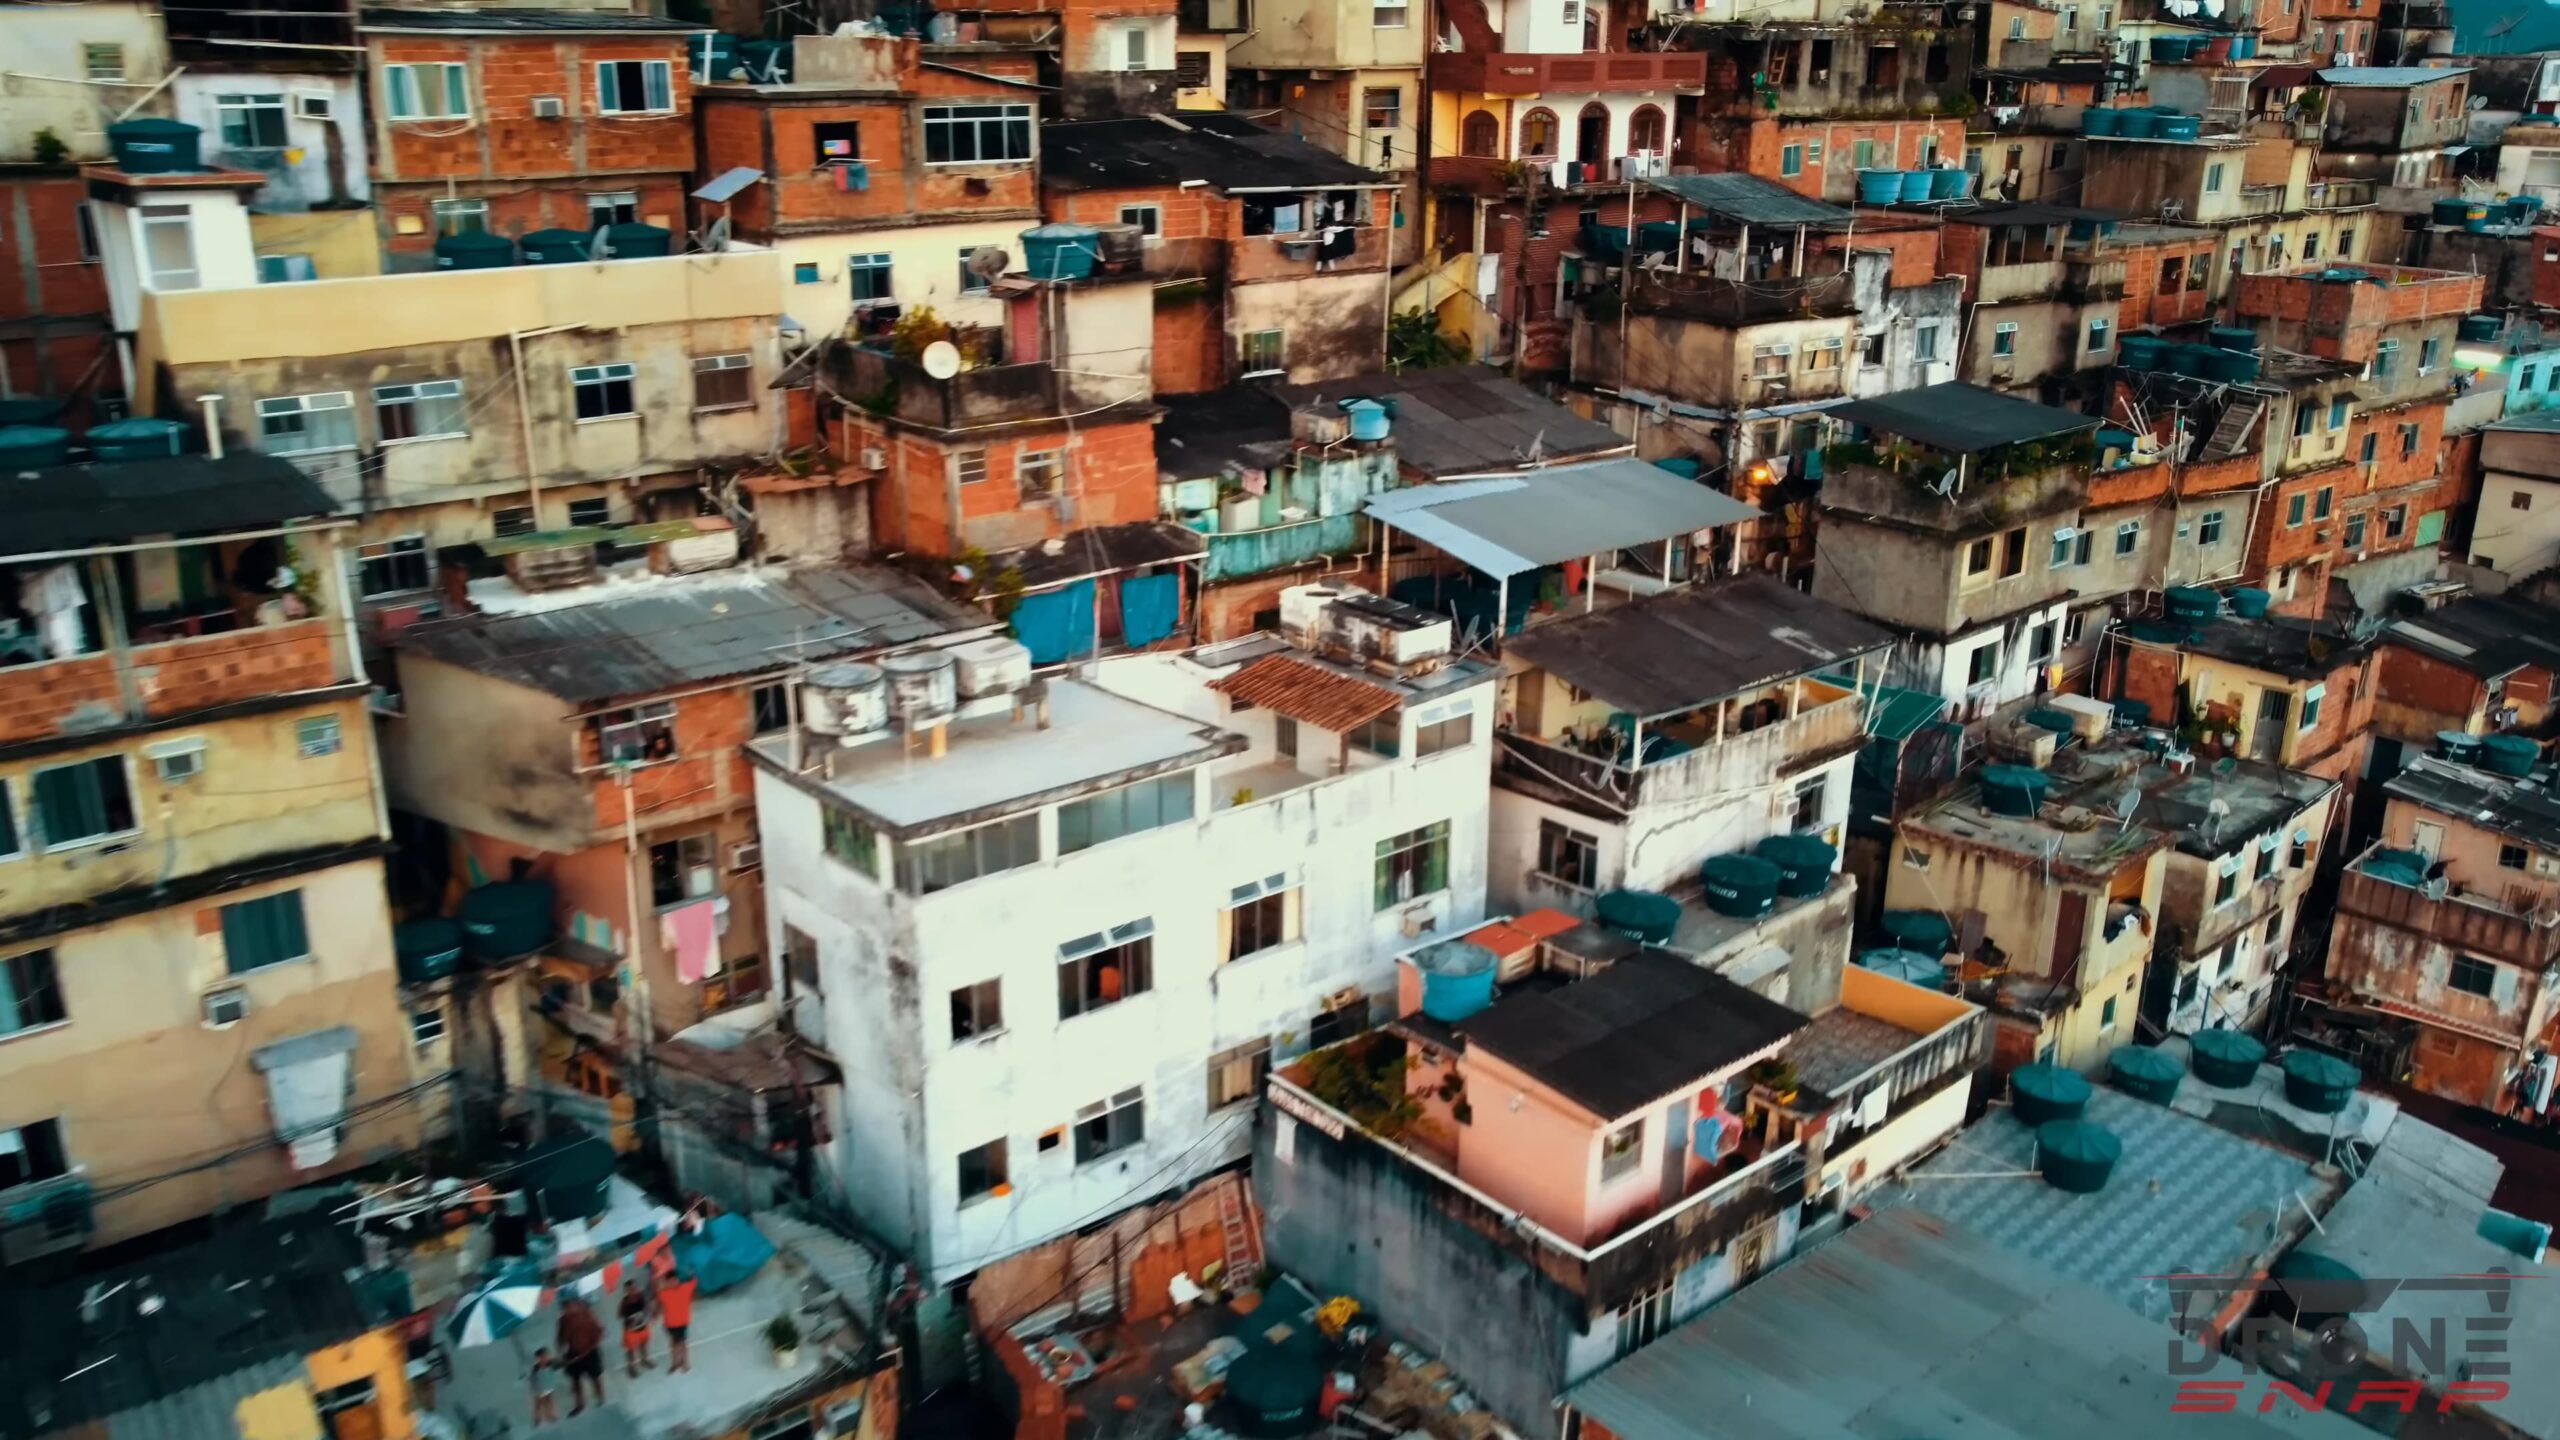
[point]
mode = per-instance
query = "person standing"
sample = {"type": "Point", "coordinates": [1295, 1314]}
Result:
{"type": "Point", "coordinates": [546, 1388]}
{"type": "Point", "coordinates": [581, 1338]}
{"type": "Point", "coordinates": [635, 1329]}
{"type": "Point", "coordinates": [675, 1307]}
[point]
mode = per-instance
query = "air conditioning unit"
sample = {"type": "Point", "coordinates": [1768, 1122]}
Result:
{"type": "Point", "coordinates": [176, 761]}
{"type": "Point", "coordinates": [1419, 921]}
{"type": "Point", "coordinates": [226, 1007]}
{"type": "Point", "coordinates": [548, 107]}
{"type": "Point", "coordinates": [312, 105]}
{"type": "Point", "coordinates": [874, 458]}
{"type": "Point", "coordinates": [746, 855]}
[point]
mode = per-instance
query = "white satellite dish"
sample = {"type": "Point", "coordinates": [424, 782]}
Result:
{"type": "Point", "coordinates": [942, 359]}
{"type": "Point", "coordinates": [989, 261]}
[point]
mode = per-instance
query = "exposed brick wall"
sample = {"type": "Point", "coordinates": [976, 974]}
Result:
{"type": "Point", "coordinates": [2145, 303]}
{"type": "Point", "coordinates": [1914, 247]}
{"type": "Point", "coordinates": [1110, 476]}
{"type": "Point", "coordinates": [709, 773]}
{"type": "Point", "coordinates": [1758, 145]}
{"type": "Point", "coordinates": [2546, 275]}
{"type": "Point", "coordinates": [60, 297]}
{"type": "Point", "coordinates": [781, 140]}
{"type": "Point", "coordinates": [1190, 342]}
{"type": "Point", "coordinates": [185, 675]}
{"type": "Point", "coordinates": [2344, 321]}
{"type": "Point", "coordinates": [518, 207]}
{"type": "Point", "coordinates": [1183, 214]}
{"type": "Point", "coordinates": [504, 138]}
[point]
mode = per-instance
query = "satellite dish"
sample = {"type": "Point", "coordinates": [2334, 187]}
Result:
{"type": "Point", "coordinates": [942, 359]}
{"type": "Point", "coordinates": [989, 261]}
{"type": "Point", "coordinates": [2127, 803]}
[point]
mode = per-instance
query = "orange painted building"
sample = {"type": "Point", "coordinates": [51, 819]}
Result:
{"type": "Point", "coordinates": [511, 121]}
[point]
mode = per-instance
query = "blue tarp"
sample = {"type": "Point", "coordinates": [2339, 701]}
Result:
{"type": "Point", "coordinates": [1150, 606]}
{"type": "Point", "coordinates": [723, 1253]}
{"type": "Point", "coordinates": [1056, 625]}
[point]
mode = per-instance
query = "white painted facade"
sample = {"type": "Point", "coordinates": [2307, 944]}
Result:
{"type": "Point", "coordinates": [914, 1098]}
{"type": "Point", "coordinates": [924, 269]}
{"type": "Point", "coordinates": [253, 103]}
{"type": "Point", "coordinates": [1567, 109]}
{"type": "Point", "coordinates": [72, 69]}
{"type": "Point", "coordinates": [142, 248]}
{"type": "Point", "coordinates": [1948, 669]}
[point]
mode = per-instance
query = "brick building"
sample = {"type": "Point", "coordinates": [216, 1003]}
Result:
{"type": "Point", "coordinates": [57, 352]}
{"type": "Point", "coordinates": [514, 121]}
{"type": "Point", "coordinates": [1102, 57]}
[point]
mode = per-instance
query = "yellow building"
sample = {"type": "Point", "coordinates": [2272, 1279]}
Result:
{"type": "Point", "coordinates": [197, 995]}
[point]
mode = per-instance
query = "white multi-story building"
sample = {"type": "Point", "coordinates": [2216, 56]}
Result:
{"type": "Point", "coordinates": [1055, 933]}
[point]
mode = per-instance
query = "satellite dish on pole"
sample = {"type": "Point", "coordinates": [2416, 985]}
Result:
{"type": "Point", "coordinates": [988, 261]}
{"type": "Point", "coordinates": [942, 359]}
{"type": "Point", "coordinates": [2126, 804]}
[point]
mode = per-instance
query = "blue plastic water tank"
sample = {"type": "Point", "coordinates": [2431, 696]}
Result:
{"type": "Point", "coordinates": [1457, 979]}
{"type": "Point", "coordinates": [1368, 419]}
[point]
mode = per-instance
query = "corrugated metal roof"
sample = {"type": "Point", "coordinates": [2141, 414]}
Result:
{"type": "Point", "coordinates": [1962, 419]}
{"type": "Point", "coordinates": [2389, 76]}
{"type": "Point", "coordinates": [210, 1411]}
{"type": "Point", "coordinates": [1307, 692]}
{"type": "Point", "coordinates": [684, 631]}
{"type": "Point", "coordinates": [1466, 420]}
{"type": "Point", "coordinates": [1566, 512]}
{"type": "Point", "coordinates": [68, 507]}
{"type": "Point", "coordinates": [1675, 652]}
{"type": "Point", "coordinates": [1750, 200]}
{"type": "Point", "coordinates": [1910, 1325]}
{"type": "Point", "coordinates": [477, 18]}
{"type": "Point", "coordinates": [1226, 152]}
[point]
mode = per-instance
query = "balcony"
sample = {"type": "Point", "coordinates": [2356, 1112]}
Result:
{"type": "Point", "coordinates": [2339, 195]}
{"type": "Point", "coordinates": [984, 395]}
{"type": "Point", "coordinates": [1606, 1275]}
{"type": "Point", "coordinates": [1705, 765]}
{"type": "Point", "coordinates": [2088, 281]}
{"type": "Point", "coordinates": [46, 1217]}
{"type": "Point", "coordinates": [2256, 200]}
{"type": "Point", "coordinates": [1475, 72]}
{"type": "Point", "coordinates": [2471, 923]}
{"type": "Point", "coordinates": [1291, 257]}
{"type": "Point", "coordinates": [2034, 279]}
{"type": "Point", "coordinates": [1237, 554]}
{"type": "Point", "coordinates": [1759, 300]}
{"type": "Point", "coordinates": [1899, 486]}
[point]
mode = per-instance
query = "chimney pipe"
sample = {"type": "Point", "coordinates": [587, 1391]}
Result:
{"type": "Point", "coordinates": [212, 425]}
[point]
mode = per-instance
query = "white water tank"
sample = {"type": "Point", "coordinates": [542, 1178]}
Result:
{"type": "Point", "coordinates": [1302, 610]}
{"type": "Point", "coordinates": [923, 686]}
{"type": "Point", "coordinates": [843, 700]}
{"type": "Point", "coordinates": [997, 665]}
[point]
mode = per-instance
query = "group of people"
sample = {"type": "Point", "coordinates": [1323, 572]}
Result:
{"type": "Point", "coordinates": [646, 1301]}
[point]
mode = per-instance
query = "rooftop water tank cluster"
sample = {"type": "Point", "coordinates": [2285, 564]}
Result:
{"type": "Point", "coordinates": [2141, 122]}
{"type": "Point", "coordinates": [1910, 187]}
{"type": "Point", "coordinates": [2232, 357]}
{"type": "Point", "coordinates": [481, 250]}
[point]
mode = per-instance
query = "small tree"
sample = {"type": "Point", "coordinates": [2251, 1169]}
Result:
{"type": "Point", "coordinates": [49, 147]}
{"type": "Point", "coordinates": [1415, 342]}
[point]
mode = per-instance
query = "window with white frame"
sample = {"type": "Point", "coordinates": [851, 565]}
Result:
{"type": "Point", "coordinates": [1261, 915]}
{"type": "Point", "coordinates": [637, 735]}
{"type": "Point", "coordinates": [1236, 1074]}
{"type": "Point", "coordinates": [1924, 337]}
{"type": "Point", "coordinates": [1102, 969]}
{"type": "Point", "coordinates": [426, 1025]}
{"type": "Point", "coordinates": [1568, 856]}
{"type": "Point", "coordinates": [2128, 537]}
{"type": "Point", "coordinates": [724, 382]}
{"type": "Point", "coordinates": [1038, 474]}
{"type": "Point", "coordinates": [1262, 353]}
{"type": "Point", "coordinates": [1444, 727]}
{"type": "Point", "coordinates": [603, 392]}
{"type": "Point", "coordinates": [1823, 354]}
{"type": "Point", "coordinates": [439, 91]}
{"type": "Point", "coordinates": [84, 803]}
{"type": "Point", "coordinates": [1148, 218]}
{"type": "Point", "coordinates": [169, 247]}
{"type": "Point", "coordinates": [250, 122]}
{"type": "Point", "coordinates": [30, 994]}
{"type": "Point", "coordinates": [634, 87]}
{"type": "Point", "coordinates": [394, 567]}
{"type": "Point", "coordinates": [307, 424]}
{"type": "Point", "coordinates": [1621, 1149]}
{"type": "Point", "coordinates": [1771, 362]}
{"type": "Point", "coordinates": [2209, 528]}
{"type": "Point", "coordinates": [1107, 1126]}
{"type": "Point", "coordinates": [969, 467]}
{"type": "Point", "coordinates": [102, 61]}
{"type": "Point", "coordinates": [318, 736]}
{"type": "Point", "coordinates": [2099, 337]}
{"type": "Point", "coordinates": [870, 276]}
{"type": "Point", "coordinates": [971, 282]}
{"type": "Point", "coordinates": [1133, 47]}
{"type": "Point", "coordinates": [612, 207]}
{"type": "Point", "coordinates": [976, 134]}
{"type": "Point", "coordinates": [459, 217]}
{"type": "Point", "coordinates": [419, 410]}
{"type": "Point", "coordinates": [2004, 339]}
{"type": "Point", "coordinates": [1389, 14]}
{"type": "Point", "coordinates": [1412, 865]}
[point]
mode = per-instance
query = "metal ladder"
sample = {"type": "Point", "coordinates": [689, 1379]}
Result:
{"type": "Point", "coordinates": [2232, 435]}
{"type": "Point", "coordinates": [1239, 1234]}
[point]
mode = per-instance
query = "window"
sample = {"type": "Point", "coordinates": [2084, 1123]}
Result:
{"type": "Point", "coordinates": [2209, 528]}
{"type": "Point", "coordinates": [594, 510]}
{"type": "Point", "coordinates": [1382, 736]}
{"type": "Point", "coordinates": [2394, 521]}
{"type": "Point", "coordinates": [1620, 1150]}
{"type": "Point", "coordinates": [1924, 340]}
{"type": "Point", "coordinates": [2338, 412]}
{"type": "Point", "coordinates": [724, 382]}
{"type": "Point", "coordinates": [102, 61]}
{"type": "Point", "coordinates": [2320, 503]}
{"type": "Point", "coordinates": [30, 996]}
{"type": "Point", "coordinates": [2013, 553]}
{"type": "Point", "coordinates": [1871, 348]}
{"type": "Point", "coordinates": [1413, 864]}
{"type": "Point", "coordinates": [2472, 977]}
{"type": "Point", "coordinates": [976, 134]}
{"type": "Point", "coordinates": [1190, 69]}
{"type": "Point", "coordinates": [1148, 218]}
{"type": "Point", "coordinates": [2355, 532]}
{"type": "Point", "coordinates": [1337, 1023]}
{"type": "Point", "coordinates": [971, 282]}
{"type": "Point", "coordinates": [977, 1010]}
{"type": "Point", "coordinates": [2513, 857]}
{"type": "Point", "coordinates": [628, 87]}
{"type": "Point", "coordinates": [1037, 474]}
{"type": "Point", "coordinates": [1260, 916]}
{"type": "Point", "coordinates": [86, 217]}
{"type": "Point", "coordinates": [1236, 1075]}
{"type": "Point", "coordinates": [84, 802]}
{"type": "Point", "coordinates": [1538, 140]}
{"type": "Point", "coordinates": [2040, 643]}
{"type": "Point", "coordinates": [1646, 1316]}
{"type": "Point", "coordinates": [2070, 18]}
{"type": "Point", "coordinates": [1262, 353]}
{"type": "Point", "coordinates": [2311, 246]}
{"type": "Point", "coordinates": [2293, 510]}
{"type": "Point", "coordinates": [426, 1025]}
{"type": "Point", "coordinates": [847, 840]}
{"type": "Point", "coordinates": [1385, 107]}
{"type": "Point", "coordinates": [804, 272]}
{"type": "Point", "coordinates": [1791, 160]}
{"type": "Point", "coordinates": [2226, 883]}
{"type": "Point", "coordinates": [2017, 27]}
{"type": "Point", "coordinates": [169, 247]}
{"type": "Point", "coordinates": [637, 735]}
{"type": "Point", "coordinates": [2098, 337]}
{"type": "Point", "coordinates": [265, 931]}
{"type": "Point", "coordinates": [769, 707]}
{"type": "Point", "coordinates": [683, 869]}
{"type": "Point", "coordinates": [459, 217]}
{"type": "Point", "coordinates": [612, 207]}
{"type": "Point", "coordinates": [1108, 1125]}
{"type": "Point", "coordinates": [2386, 358]}
{"type": "Point", "coordinates": [969, 467]}
{"type": "Point", "coordinates": [318, 736]}
{"type": "Point", "coordinates": [2430, 351]}
{"type": "Point", "coordinates": [2004, 339]}
{"type": "Point", "coordinates": [2070, 547]}
{"type": "Point", "coordinates": [1448, 727]}
{"type": "Point", "coordinates": [982, 1171]}
{"type": "Point", "coordinates": [2408, 441]}
{"type": "Point", "coordinates": [1129, 810]}
{"type": "Point", "coordinates": [2213, 178]}
{"type": "Point", "coordinates": [427, 92]}
{"type": "Point", "coordinates": [603, 391]}
{"type": "Point", "coordinates": [1771, 362]}
{"type": "Point", "coordinates": [1645, 133]}
{"type": "Point", "coordinates": [1481, 135]}
{"type": "Point", "coordinates": [2128, 537]}
{"type": "Point", "coordinates": [393, 567]}
{"type": "Point", "coordinates": [509, 520]}
{"type": "Point", "coordinates": [307, 424]}
{"type": "Point", "coordinates": [2107, 1014]}
{"type": "Point", "coordinates": [425, 410]}
{"type": "Point", "coordinates": [927, 866]}
{"type": "Point", "coordinates": [870, 276]}
{"type": "Point", "coordinates": [2304, 418]}
{"type": "Point", "coordinates": [1977, 558]}
{"type": "Point", "coordinates": [1982, 666]}
{"type": "Point", "coordinates": [32, 1152]}
{"type": "Point", "coordinates": [2519, 500]}
{"type": "Point", "coordinates": [250, 122]}
{"type": "Point", "coordinates": [1568, 856]}
{"type": "Point", "coordinates": [1808, 808]}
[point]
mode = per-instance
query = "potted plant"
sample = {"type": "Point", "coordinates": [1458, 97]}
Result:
{"type": "Point", "coordinates": [782, 1333]}
{"type": "Point", "coordinates": [1779, 1078]}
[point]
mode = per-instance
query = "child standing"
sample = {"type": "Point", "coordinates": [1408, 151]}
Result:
{"type": "Point", "coordinates": [546, 1388]}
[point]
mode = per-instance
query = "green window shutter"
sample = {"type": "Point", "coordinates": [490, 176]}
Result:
{"type": "Point", "coordinates": [2431, 527]}
{"type": "Point", "coordinates": [265, 931]}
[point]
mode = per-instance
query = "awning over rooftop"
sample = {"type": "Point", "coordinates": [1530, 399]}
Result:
{"type": "Point", "coordinates": [1546, 517]}
{"type": "Point", "coordinates": [1893, 713]}
{"type": "Point", "coordinates": [1675, 652]}
{"type": "Point", "coordinates": [1963, 419]}
{"type": "Point", "coordinates": [1750, 200]}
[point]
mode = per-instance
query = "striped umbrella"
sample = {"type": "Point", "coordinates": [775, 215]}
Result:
{"type": "Point", "coordinates": [494, 1311]}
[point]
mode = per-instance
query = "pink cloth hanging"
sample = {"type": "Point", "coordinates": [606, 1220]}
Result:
{"type": "Point", "coordinates": [692, 931]}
